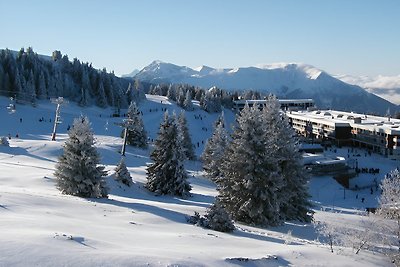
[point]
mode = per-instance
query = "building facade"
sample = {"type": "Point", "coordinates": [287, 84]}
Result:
{"type": "Point", "coordinates": [286, 104]}
{"type": "Point", "coordinates": [379, 134]}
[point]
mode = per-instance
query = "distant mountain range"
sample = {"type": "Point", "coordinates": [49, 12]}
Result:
{"type": "Point", "coordinates": [282, 79]}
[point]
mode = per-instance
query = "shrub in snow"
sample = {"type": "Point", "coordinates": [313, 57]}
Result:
{"type": "Point", "coordinates": [167, 175]}
{"type": "Point", "coordinates": [216, 219]}
{"type": "Point", "coordinates": [122, 174]}
{"type": "Point", "coordinates": [4, 141]}
{"type": "Point", "coordinates": [77, 169]}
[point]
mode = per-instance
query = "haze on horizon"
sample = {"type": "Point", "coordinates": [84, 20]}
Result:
{"type": "Point", "coordinates": [358, 37]}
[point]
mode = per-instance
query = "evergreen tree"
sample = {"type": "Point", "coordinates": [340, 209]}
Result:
{"type": "Point", "coordinates": [214, 150]}
{"type": "Point", "coordinates": [137, 135]}
{"type": "Point", "coordinates": [77, 170]}
{"type": "Point", "coordinates": [171, 93]}
{"type": "Point", "coordinates": [122, 174]}
{"type": "Point", "coordinates": [249, 179]}
{"type": "Point", "coordinates": [211, 102]}
{"type": "Point", "coordinates": [41, 88]}
{"type": "Point", "coordinates": [187, 104]}
{"type": "Point", "coordinates": [167, 175]}
{"type": "Point", "coordinates": [101, 95]}
{"type": "Point", "coordinates": [4, 141]}
{"type": "Point", "coordinates": [294, 195]}
{"type": "Point", "coordinates": [30, 89]}
{"type": "Point", "coordinates": [180, 99]}
{"type": "Point", "coordinates": [187, 140]}
{"type": "Point", "coordinates": [218, 219]}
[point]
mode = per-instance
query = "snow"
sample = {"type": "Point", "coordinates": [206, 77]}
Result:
{"type": "Point", "coordinates": [41, 227]}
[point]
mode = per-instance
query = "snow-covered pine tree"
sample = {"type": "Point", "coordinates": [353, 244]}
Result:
{"type": "Point", "coordinates": [249, 179]}
{"type": "Point", "coordinates": [171, 93]}
{"type": "Point", "coordinates": [4, 141]}
{"type": "Point", "coordinates": [294, 195]}
{"type": "Point", "coordinates": [214, 150]}
{"type": "Point", "coordinates": [77, 170]}
{"type": "Point", "coordinates": [218, 219]}
{"type": "Point", "coordinates": [180, 98]}
{"type": "Point", "coordinates": [187, 104]}
{"type": "Point", "coordinates": [122, 174]}
{"type": "Point", "coordinates": [137, 135]}
{"type": "Point", "coordinates": [187, 140]}
{"type": "Point", "coordinates": [167, 175]}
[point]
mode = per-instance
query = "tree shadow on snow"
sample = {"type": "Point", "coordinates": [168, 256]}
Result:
{"type": "Point", "coordinates": [262, 236]}
{"type": "Point", "coordinates": [19, 151]}
{"type": "Point", "coordinates": [139, 192]}
{"type": "Point", "coordinates": [170, 215]}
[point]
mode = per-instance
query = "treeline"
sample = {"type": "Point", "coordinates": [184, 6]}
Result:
{"type": "Point", "coordinates": [211, 100]}
{"type": "Point", "coordinates": [29, 76]}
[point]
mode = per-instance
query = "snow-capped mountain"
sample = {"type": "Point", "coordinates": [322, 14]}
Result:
{"type": "Point", "coordinates": [291, 80]}
{"type": "Point", "coordinates": [387, 87]}
{"type": "Point", "coordinates": [132, 74]}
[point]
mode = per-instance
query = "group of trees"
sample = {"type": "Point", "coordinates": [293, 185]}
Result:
{"type": "Point", "coordinates": [29, 77]}
{"type": "Point", "coordinates": [78, 172]}
{"type": "Point", "coordinates": [211, 100]}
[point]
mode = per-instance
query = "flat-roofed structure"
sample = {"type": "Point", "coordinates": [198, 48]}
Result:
{"type": "Point", "coordinates": [380, 134]}
{"type": "Point", "coordinates": [286, 104]}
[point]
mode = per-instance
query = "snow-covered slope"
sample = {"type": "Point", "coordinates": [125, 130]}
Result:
{"type": "Point", "coordinates": [387, 87]}
{"type": "Point", "coordinates": [285, 80]}
{"type": "Point", "coordinates": [41, 227]}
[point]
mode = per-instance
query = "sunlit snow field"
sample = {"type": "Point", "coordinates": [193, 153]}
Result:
{"type": "Point", "coordinates": [41, 227]}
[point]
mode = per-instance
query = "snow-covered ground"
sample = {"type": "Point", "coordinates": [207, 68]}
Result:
{"type": "Point", "coordinates": [41, 227]}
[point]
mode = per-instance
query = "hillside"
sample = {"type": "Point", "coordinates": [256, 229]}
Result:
{"type": "Point", "coordinates": [42, 227]}
{"type": "Point", "coordinates": [284, 80]}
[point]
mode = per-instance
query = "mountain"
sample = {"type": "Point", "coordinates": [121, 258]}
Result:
{"type": "Point", "coordinates": [387, 87]}
{"type": "Point", "coordinates": [291, 80]}
{"type": "Point", "coordinates": [132, 74]}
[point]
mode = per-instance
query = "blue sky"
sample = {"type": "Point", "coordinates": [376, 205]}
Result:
{"type": "Point", "coordinates": [357, 37]}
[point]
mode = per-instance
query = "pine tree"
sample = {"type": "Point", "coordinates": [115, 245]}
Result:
{"type": "Point", "coordinates": [214, 150]}
{"type": "Point", "coordinates": [77, 170]}
{"type": "Point", "coordinates": [187, 140]}
{"type": "Point", "coordinates": [122, 174]}
{"type": "Point", "coordinates": [167, 175]}
{"type": "Point", "coordinates": [187, 104]}
{"type": "Point", "coordinates": [4, 141]}
{"type": "Point", "coordinates": [180, 99]}
{"type": "Point", "coordinates": [101, 95]}
{"type": "Point", "coordinates": [218, 219]}
{"type": "Point", "coordinates": [137, 135]}
{"type": "Point", "coordinates": [294, 195]}
{"type": "Point", "coordinates": [41, 89]}
{"type": "Point", "coordinates": [249, 179]}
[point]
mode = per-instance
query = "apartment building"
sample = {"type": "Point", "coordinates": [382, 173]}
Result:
{"type": "Point", "coordinates": [286, 104]}
{"type": "Point", "coordinates": [379, 134]}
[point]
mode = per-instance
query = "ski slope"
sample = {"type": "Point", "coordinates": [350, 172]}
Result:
{"type": "Point", "coordinates": [41, 227]}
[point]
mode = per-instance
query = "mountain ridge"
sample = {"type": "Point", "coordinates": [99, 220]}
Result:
{"type": "Point", "coordinates": [286, 80]}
